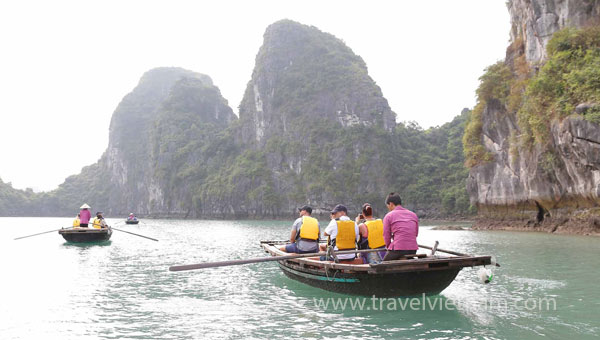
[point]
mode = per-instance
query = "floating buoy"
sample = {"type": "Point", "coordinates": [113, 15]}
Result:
{"type": "Point", "coordinates": [485, 275]}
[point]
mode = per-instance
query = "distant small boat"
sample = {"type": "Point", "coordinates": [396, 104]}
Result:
{"type": "Point", "coordinates": [132, 221]}
{"type": "Point", "coordinates": [86, 235]}
{"type": "Point", "coordinates": [417, 274]}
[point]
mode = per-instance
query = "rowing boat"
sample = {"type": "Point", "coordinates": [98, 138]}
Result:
{"type": "Point", "coordinates": [414, 275]}
{"type": "Point", "coordinates": [86, 235]}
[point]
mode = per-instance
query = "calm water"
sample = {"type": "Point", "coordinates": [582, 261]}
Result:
{"type": "Point", "coordinates": [123, 290]}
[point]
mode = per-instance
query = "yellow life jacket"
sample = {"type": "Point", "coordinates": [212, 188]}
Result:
{"type": "Point", "coordinates": [375, 236]}
{"type": "Point", "coordinates": [309, 229]}
{"type": "Point", "coordinates": [346, 235]}
{"type": "Point", "coordinates": [76, 223]}
{"type": "Point", "coordinates": [97, 223]}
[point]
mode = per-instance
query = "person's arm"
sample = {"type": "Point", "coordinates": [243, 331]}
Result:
{"type": "Point", "coordinates": [329, 228]}
{"type": "Point", "coordinates": [319, 227]}
{"type": "Point", "coordinates": [364, 231]}
{"type": "Point", "coordinates": [387, 231]}
{"type": "Point", "coordinates": [295, 229]}
{"type": "Point", "coordinates": [417, 233]}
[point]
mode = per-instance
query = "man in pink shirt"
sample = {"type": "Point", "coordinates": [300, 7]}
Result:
{"type": "Point", "coordinates": [400, 229]}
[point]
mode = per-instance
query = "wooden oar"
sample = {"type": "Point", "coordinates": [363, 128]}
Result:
{"type": "Point", "coordinates": [260, 259]}
{"type": "Point", "coordinates": [125, 231]}
{"type": "Point", "coordinates": [45, 232]}
{"type": "Point", "coordinates": [444, 251]}
{"type": "Point", "coordinates": [448, 251]}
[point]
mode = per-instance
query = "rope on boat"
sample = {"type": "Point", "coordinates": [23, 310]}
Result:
{"type": "Point", "coordinates": [326, 265]}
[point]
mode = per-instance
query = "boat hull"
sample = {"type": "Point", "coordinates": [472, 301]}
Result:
{"type": "Point", "coordinates": [380, 285]}
{"type": "Point", "coordinates": [86, 235]}
{"type": "Point", "coordinates": [414, 275]}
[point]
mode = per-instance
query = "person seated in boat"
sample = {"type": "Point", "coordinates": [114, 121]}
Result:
{"type": "Point", "coordinates": [99, 221]}
{"type": "Point", "coordinates": [400, 229]}
{"type": "Point", "coordinates": [305, 233]}
{"type": "Point", "coordinates": [77, 221]}
{"type": "Point", "coordinates": [131, 217]}
{"type": "Point", "coordinates": [84, 216]}
{"type": "Point", "coordinates": [342, 232]}
{"type": "Point", "coordinates": [371, 235]}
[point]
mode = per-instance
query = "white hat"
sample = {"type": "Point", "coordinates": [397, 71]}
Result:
{"type": "Point", "coordinates": [85, 206]}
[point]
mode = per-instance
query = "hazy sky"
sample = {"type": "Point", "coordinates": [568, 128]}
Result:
{"type": "Point", "coordinates": [65, 65]}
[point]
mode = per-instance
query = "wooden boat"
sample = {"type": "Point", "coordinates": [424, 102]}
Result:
{"type": "Point", "coordinates": [415, 275]}
{"type": "Point", "coordinates": [132, 221]}
{"type": "Point", "coordinates": [86, 235]}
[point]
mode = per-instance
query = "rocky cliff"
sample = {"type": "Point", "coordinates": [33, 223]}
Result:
{"type": "Point", "coordinates": [314, 128]}
{"type": "Point", "coordinates": [303, 72]}
{"type": "Point", "coordinates": [315, 120]}
{"type": "Point", "coordinates": [534, 139]}
{"type": "Point", "coordinates": [170, 110]}
{"type": "Point", "coordinates": [536, 21]}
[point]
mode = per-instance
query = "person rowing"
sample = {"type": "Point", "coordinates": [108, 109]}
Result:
{"type": "Point", "coordinates": [84, 215]}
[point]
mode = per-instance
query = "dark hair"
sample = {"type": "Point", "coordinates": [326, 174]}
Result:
{"type": "Point", "coordinates": [367, 210]}
{"type": "Point", "coordinates": [393, 198]}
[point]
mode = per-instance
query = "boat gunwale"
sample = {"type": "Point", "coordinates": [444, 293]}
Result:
{"type": "Point", "coordinates": [85, 231]}
{"type": "Point", "coordinates": [396, 266]}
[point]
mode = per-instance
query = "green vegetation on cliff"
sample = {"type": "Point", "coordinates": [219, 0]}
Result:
{"type": "Point", "coordinates": [495, 84]}
{"type": "Point", "coordinates": [14, 202]}
{"type": "Point", "coordinates": [569, 77]}
{"type": "Point", "coordinates": [433, 170]}
{"type": "Point", "coordinates": [190, 119]}
{"type": "Point", "coordinates": [425, 166]}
